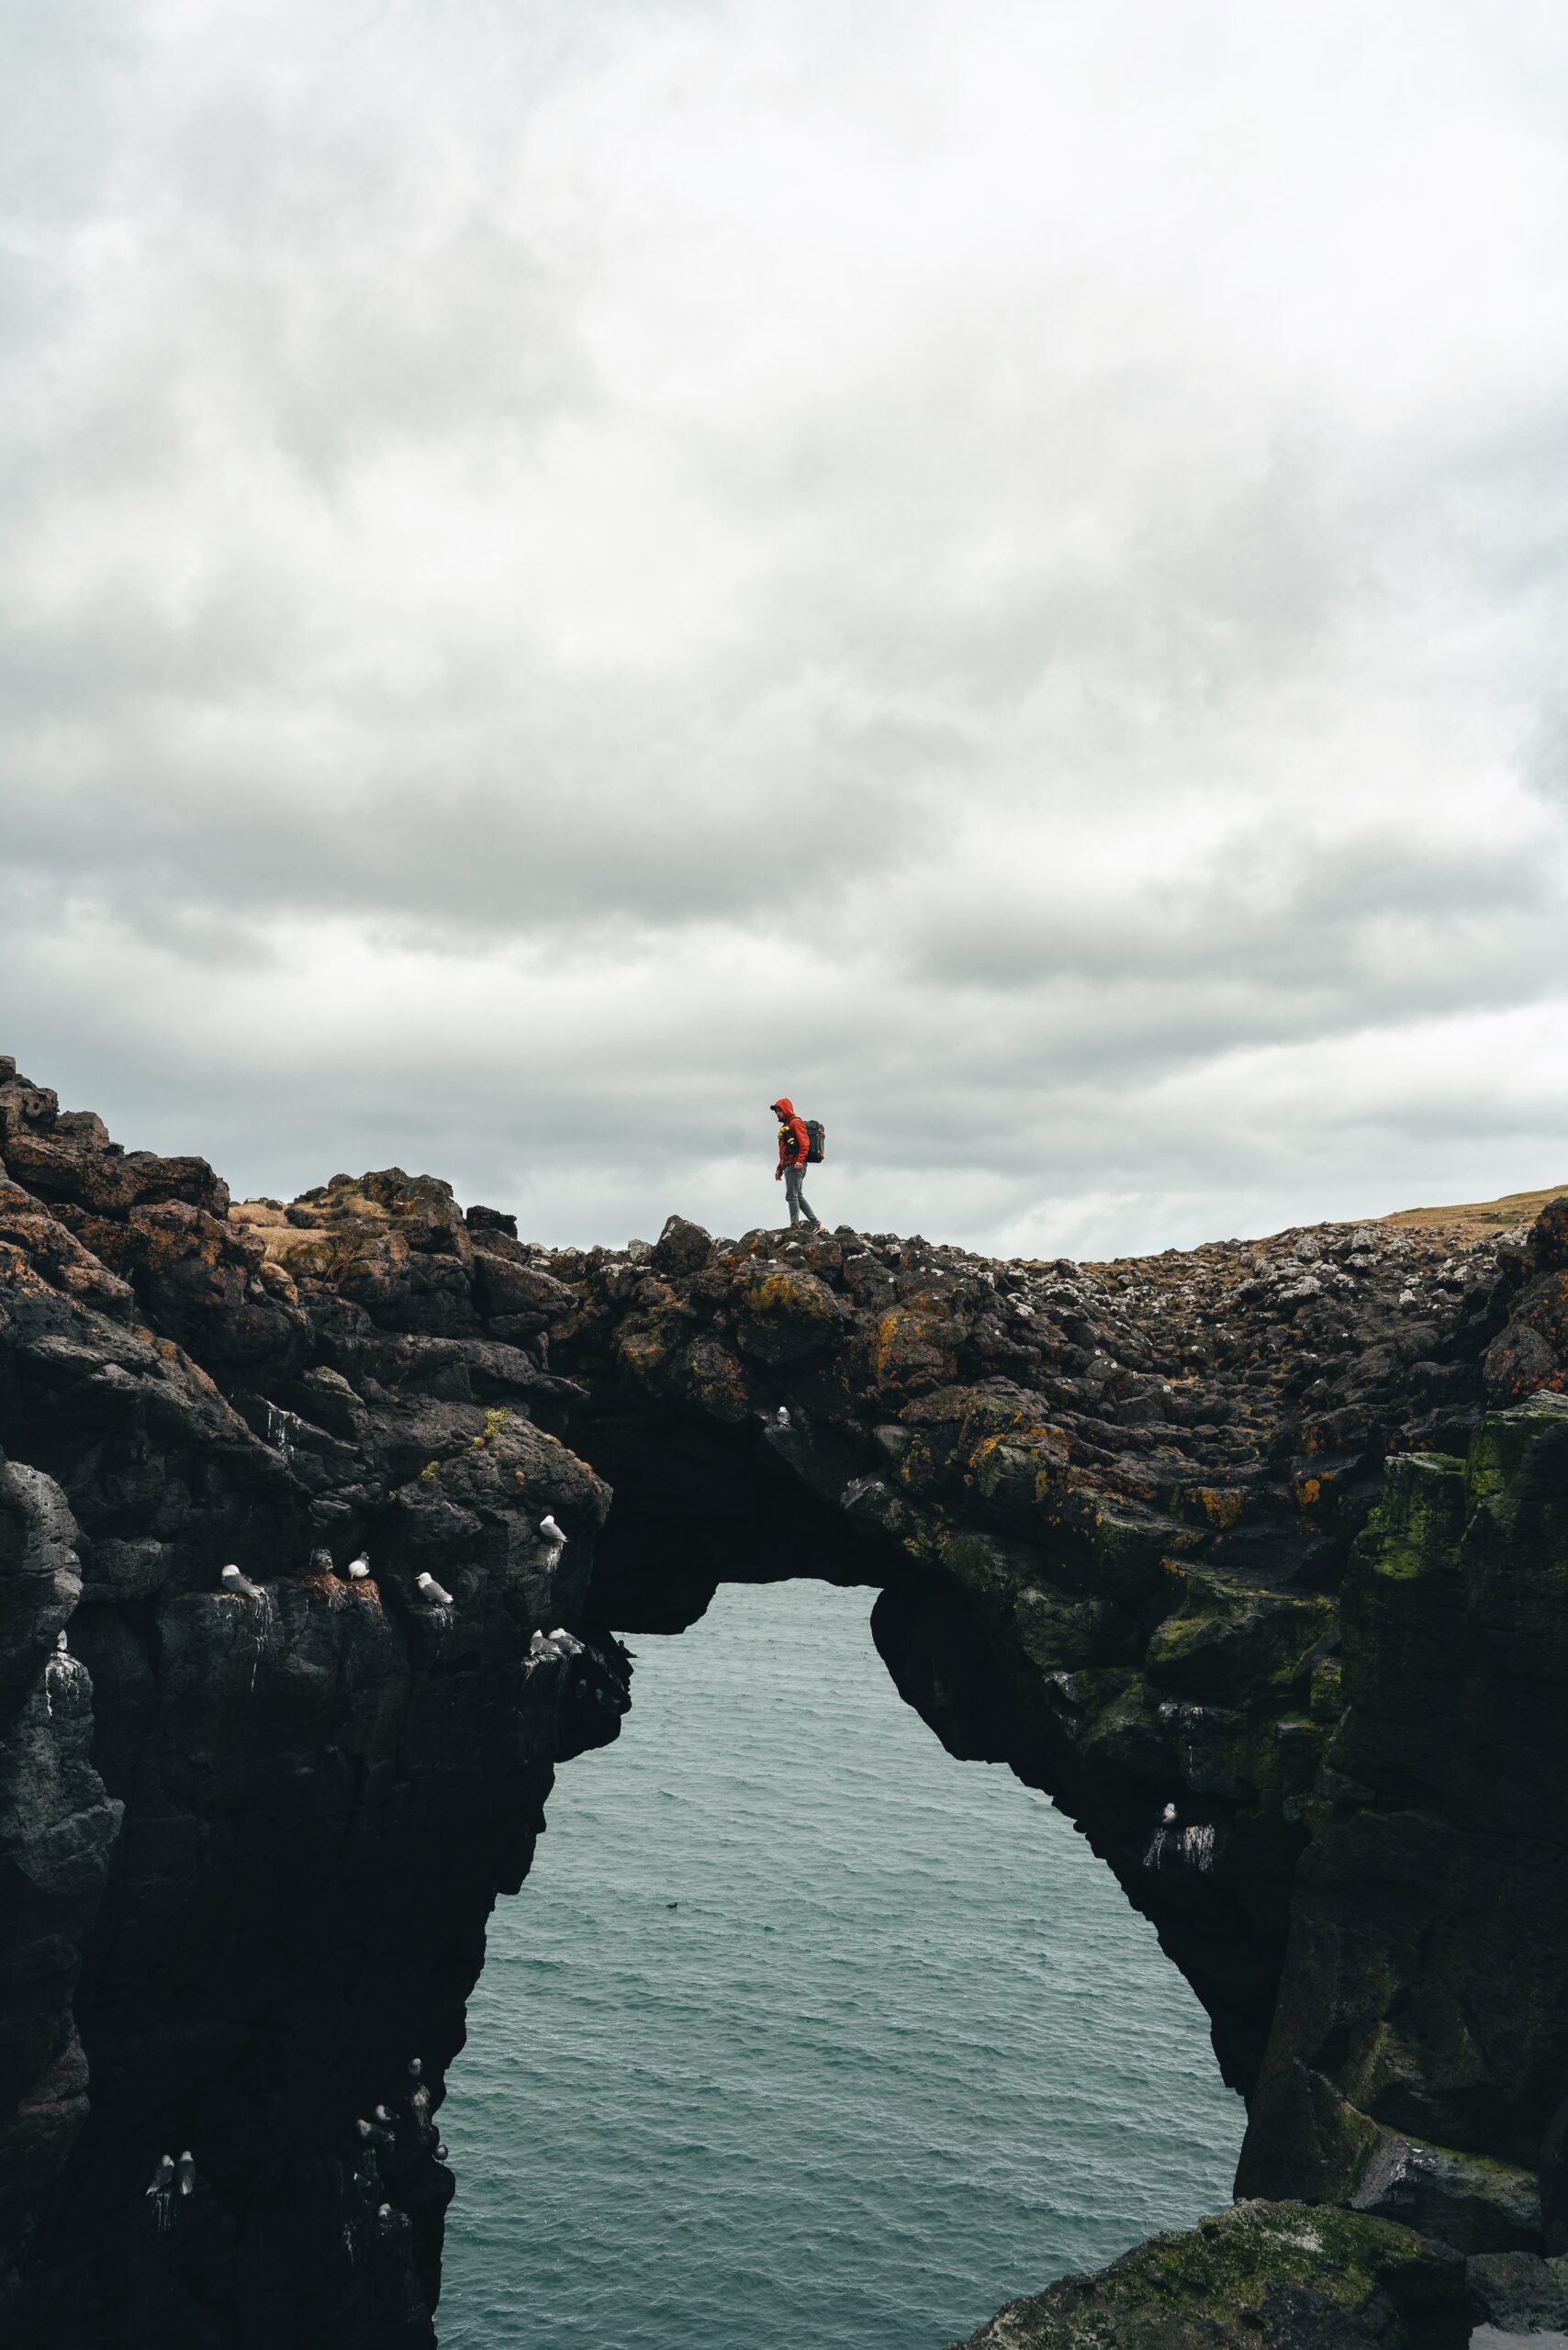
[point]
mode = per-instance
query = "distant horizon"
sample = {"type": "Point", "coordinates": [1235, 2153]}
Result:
{"type": "Point", "coordinates": [999, 566]}
{"type": "Point", "coordinates": [747, 1181]}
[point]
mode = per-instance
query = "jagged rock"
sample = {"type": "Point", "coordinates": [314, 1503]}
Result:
{"type": "Point", "coordinates": [682, 1247]}
{"type": "Point", "coordinates": [479, 1219]}
{"type": "Point", "coordinates": [1434, 1895]}
{"type": "Point", "coordinates": [1475, 2205]}
{"type": "Point", "coordinates": [318, 1803]}
{"type": "Point", "coordinates": [1231, 1530]}
{"type": "Point", "coordinates": [784, 1314]}
{"type": "Point", "coordinates": [1281, 2275]}
{"type": "Point", "coordinates": [1517, 2292]}
{"type": "Point", "coordinates": [57, 1828]}
{"type": "Point", "coordinates": [509, 1287]}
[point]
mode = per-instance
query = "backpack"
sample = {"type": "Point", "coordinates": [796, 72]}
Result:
{"type": "Point", "coordinates": [816, 1141]}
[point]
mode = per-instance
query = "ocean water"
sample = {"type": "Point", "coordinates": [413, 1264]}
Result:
{"type": "Point", "coordinates": [899, 2051]}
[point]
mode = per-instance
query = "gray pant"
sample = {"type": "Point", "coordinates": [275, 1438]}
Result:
{"type": "Point", "coordinates": [795, 1192]}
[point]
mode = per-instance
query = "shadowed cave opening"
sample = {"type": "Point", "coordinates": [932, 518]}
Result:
{"type": "Point", "coordinates": [901, 2050]}
{"type": "Point", "coordinates": [699, 1504]}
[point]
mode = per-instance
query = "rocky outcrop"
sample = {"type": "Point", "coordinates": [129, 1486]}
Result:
{"type": "Point", "coordinates": [249, 1835]}
{"type": "Point", "coordinates": [1112, 1507]}
{"type": "Point", "coordinates": [1257, 1560]}
{"type": "Point", "coordinates": [1253, 1556]}
{"type": "Point", "coordinates": [1414, 2066]}
{"type": "Point", "coordinates": [1283, 2275]}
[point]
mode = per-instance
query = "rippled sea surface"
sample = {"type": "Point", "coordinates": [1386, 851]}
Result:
{"type": "Point", "coordinates": [901, 2052]}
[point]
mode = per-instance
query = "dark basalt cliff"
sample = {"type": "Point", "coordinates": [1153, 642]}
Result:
{"type": "Point", "coordinates": [1255, 1558]}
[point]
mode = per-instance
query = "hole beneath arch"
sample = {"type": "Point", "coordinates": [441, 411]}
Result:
{"type": "Point", "coordinates": [902, 2051]}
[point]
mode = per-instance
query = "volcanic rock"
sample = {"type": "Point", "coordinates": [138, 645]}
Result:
{"type": "Point", "coordinates": [1254, 1557]}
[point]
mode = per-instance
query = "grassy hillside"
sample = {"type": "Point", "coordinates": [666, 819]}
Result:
{"type": "Point", "coordinates": [1478, 1217]}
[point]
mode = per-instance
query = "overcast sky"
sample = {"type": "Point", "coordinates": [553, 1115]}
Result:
{"type": "Point", "coordinates": [999, 566]}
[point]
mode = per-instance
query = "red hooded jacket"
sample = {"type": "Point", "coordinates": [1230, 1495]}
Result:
{"type": "Point", "coordinates": [793, 1140]}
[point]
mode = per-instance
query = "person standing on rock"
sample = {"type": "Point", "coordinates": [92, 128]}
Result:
{"type": "Point", "coordinates": [794, 1149]}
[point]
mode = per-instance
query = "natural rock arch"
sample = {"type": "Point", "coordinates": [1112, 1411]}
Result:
{"type": "Point", "coordinates": [1120, 1516]}
{"type": "Point", "coordinates": [699, 1504]}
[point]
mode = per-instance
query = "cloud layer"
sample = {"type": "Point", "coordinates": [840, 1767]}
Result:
{"type": "Point", "coordinates": [1000, 567]}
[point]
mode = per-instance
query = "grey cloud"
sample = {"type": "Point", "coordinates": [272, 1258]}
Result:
{"type": "Point", "coordinates": [1404, 922]}
{"type": "Point", "coordinates": [567, 570]}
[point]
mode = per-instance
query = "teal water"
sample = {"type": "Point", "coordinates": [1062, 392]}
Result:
{"type": "Point", "coordinates": [902, 2051]}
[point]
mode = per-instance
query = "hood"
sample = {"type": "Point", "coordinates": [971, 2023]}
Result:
{"type": "Point", "coordinates": [784, 1106]}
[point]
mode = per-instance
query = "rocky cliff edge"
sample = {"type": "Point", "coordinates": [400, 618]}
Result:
{"type": "Point", "coordinates": [1255, 1557]}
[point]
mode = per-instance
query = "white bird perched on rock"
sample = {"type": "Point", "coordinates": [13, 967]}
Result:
{"type": "Point", "coordinates": [551, 1531]}
{"type": "Point", "coordinates": [539, 1646]}
{"type": "Point", "coordinates": [232, 1580]}
{"type": "Point", "coordinates": [781, 1417]}
{"type": "Point", "coordinates": [1168, 1816]}
{"type": "Point", "coordinates": [382, 2116]}
{"type": "Point", "coordinates": [441, 2150]}
{"type": "Point", "coordinates": [184, 2173]}
{"type": "Point", "coordinates": [416, 2067]}
{"type": "Point", "coordinates": [357, 1569]}
{"type": "Point", "coordinates": [60, 1642]}
{"type": "Point", "coordinates": [163, 2176]}
{"type": "Point", "coordinates": [430, 1589]}
{"type": "Point", "coordinates": [564, 1639]}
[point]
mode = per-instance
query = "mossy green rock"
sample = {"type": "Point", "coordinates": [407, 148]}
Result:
{"type": "Point", "coordinates": [1429, 1919]}
{"type": "Point", "coordinates": [1290, 2275]}
{"type": "Point", "coordinates": [1227, 1644]}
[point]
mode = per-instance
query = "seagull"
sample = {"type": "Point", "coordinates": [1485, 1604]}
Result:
{"type": "Point", "coordinates": [415, 2068]}
{"type": "Point", "coordinates": [320, 1562]}
{"type": "Point", "coordinates": [548, 1528]}
{"type": "Point", "coordinates": [163, 2176]}
{"type": "Point", "coordinates": [357, 1569]}
{"type": "Point", "coordinates": [382, 2116]}
{"type": "Point", "coordinates": [1168, 1816]}
{"type": "Point", "coordinates": [430, 1589]}
{"type": "Point", "coordinates": [184, 2173]}
{"type": "Point", "coordinates": [439, 2151]}
{"type": "Point", "coordinates": [60, 1643]}
{"type": "Point", "coordinates": [567, 1641]}
{"type": "Point", "coordinates": [232, 1580]}
{"type": "Point", "coordinates": [539, 1647]}
{"type": "Point", "coordinates": [781, 1417]}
